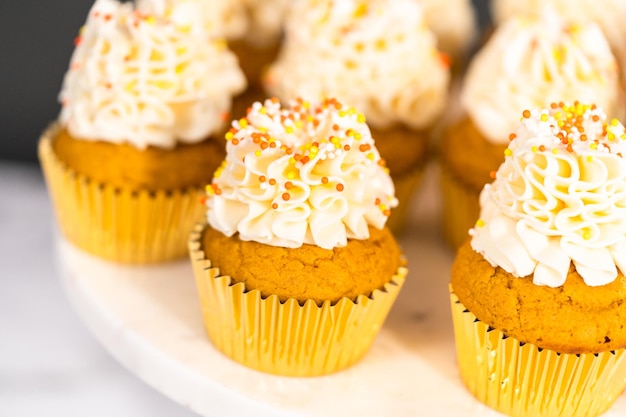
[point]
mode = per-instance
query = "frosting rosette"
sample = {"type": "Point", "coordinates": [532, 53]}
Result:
{"type": "Point", "coordinates": [304, 174]}
{"type": "Point", "coordinates": [608, 14]}
{"type": "Point", "coordinates": [558, 198]}
{"type": "Point", "coordinates": [533, 60]}
{"type": "Point", "coordinates": [377, 55]}
{"type": "Point", "coordinates": [146, 80]}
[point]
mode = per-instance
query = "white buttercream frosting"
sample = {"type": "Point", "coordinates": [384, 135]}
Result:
{"type": "Point", "coordinates": [305, 174]}
{"type": "Point", "coordinates": [610, 15]}
{"type": "Point", "coordinates": [376, 55]}
{"type": "Point", "coordinates": [453, 22]}
{"type": "Point", "coordinates": [532, 61]}
{"type": "Point", "coordinates": [259, 22]}
{"type": "Point", "coordinates": [146, 80]}
{"type": "Point", "coordinates": [559, 197]}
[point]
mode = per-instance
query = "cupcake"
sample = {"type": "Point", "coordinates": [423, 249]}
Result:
{"type": "Point", "coordinates": [143, 108]}
{"type": "Point", "coordinates": [379, 57]}
{"type": "Point", "coordinates": [527, 63]}
{"type": "Point", "coordinates": [295, 269]}
{"type": "Point", "coordinates": [538, 290]}
{"type": "Point", "coordinates": [609, 15]}
{"type": "Point", "coordinates": [454, 24]}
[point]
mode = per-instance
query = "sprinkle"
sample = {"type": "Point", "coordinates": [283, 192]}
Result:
{"type": "Point", "coordinates": [272, 181]}
{"type": "Point", "coordinates": [589, 158]}
{"type": "Point", "coordinates": [512, 136]}
{"type": "Point", "coordinates": [324, 180]}
{"type": "Point", "coordinates": [492, 174]}
{"type": "Point", "coordinates": [257, 153]}
{"type": "Point", "coordinates": [339, 187]}
{"type": "Point", "coordinates": [288, 185]}
{"type": "Point", "coordinates": [262, 178]}
{"type": "Point", "coordinates": [274, 206]}
{"type": "Point", "coordinates": [526, 114]}
{"type": "Point", "coordinates": [480, 223]}
{"type": "Point", "coordinates": [286, 196]}
{"type": "Point", "coordinates": [508, 152]}
{"type": "Point", "coordinates": [534, 149]}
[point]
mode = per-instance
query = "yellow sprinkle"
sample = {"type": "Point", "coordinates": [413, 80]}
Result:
{"type": "Point", "coordinates": [313, 149]}
{"type": "Point", "coordinates": [589, 158]}
{"type": "Point", "coordinates": [342, 113]}
{"type": "Point", "coordinates": [555, 151]}
{"type": "Point", "coordinates": [229, 135]}
{"type": "Point", "coordinates": [614, 122]}
{"type": "Point", "coordinates": [386, 170]}
{"type": "Point", "coordinates": [593, 145]}
{"type": "Point", "coordinates": [544, 117]}
{"type": "Point", "coordinates": [208, 188]}
{"type": "Point", "coordinates": [508, 152]}
{"type": "Point", "coordinates": [262, 129]}
{"type": "Point", "coordinates": [291, 175]}
{"type": "Point", "coordinates": [263, 110]}
{"type": "Point", "coordinates": [299, 124]}
{"type": "Point", "coordinates": [534, 149]}
{"type": "Point", "coordinates": [210, 191]}
{"type": "Point", "coordinates": [257, 153]}
{"type": "Point", "coordinates": [338, 145]}
{"type": "Point", "coordinates": [288, 129]}
{"type": "Point", "coordinates": [480, 223]}
{"type": "Point", "coordinates": [243, 123]}
{"type": "Point", "coordinates": [360, 118]}
{"type": "Point", "coordinates": [383, 207]}
{"type": "Point", "coordinates": [292, 161]}
{"type": "Point", "coordinates": [357, 136]}
{"type": "Point", "coordinates": [370, 156]}
{"type": "Point", "coordinates": [306, 105]}
{"type": "Point", "coordinates": [611, 136]}
{"type": "Point", "coordinates": [623, 137]}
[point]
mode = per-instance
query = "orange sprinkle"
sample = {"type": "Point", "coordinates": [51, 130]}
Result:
{"type": "Point", "coordinates": [346, 147]}
{"type": "Point", "coordinates": [324, 180]}
{"type": "Point", "coordinates": [288, 185]}
{"type": "Point", "coordinates": [542, 148]}
{"type": "Point", "coordinates": [512, 136]}
{"type": "Point", "coordinates": [553, 105]}
{"type": "Point", "coordinates": [339, 187]}
{"type": "Point", "coordinates": [203, 200]}
{"type": "Point", "coordinates": [274, 206]}
{"type": "Point", "coordinates": [492, 175]}
{"type": "Point", "coordinates": [583, 138]}
{"type": "Point", "coordinates": [272, 181]}
{"type": "Point", "coordinates": [526, 114]}
{"type": "Point", "coordinates": [387, 212]}
{"type": "Point", "coordinates": [262, 178]}
{"type": "Point", "coordinates": [286, 196]}
{"type": "Point", "coordinates": [595, 118]}
{"type": "Point", "coordinates": [445, 59]}
{"type": "Point", "coordinates": [335, 127]}
{"type": "Point", "coordinates": [235, 141]}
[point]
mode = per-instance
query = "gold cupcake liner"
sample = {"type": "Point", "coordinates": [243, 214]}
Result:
{"type": "Point", "coordinates": [286, 338]}
{"type": "Point", "coordinates": [460, 209]}
{"type": "Point", "coordinates": [405, 186]}
{"type": "Point", "coordinates": [523, 380]}
{"type": "Point", "coordinates": [117, 224]}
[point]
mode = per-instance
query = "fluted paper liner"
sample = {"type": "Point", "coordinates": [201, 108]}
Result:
{"type": "Point", "coordinates": [287, 338]}
{"type": "Point", "coordinates": [117, 224]}
{"type": "Point", "coordinates": [460, 209]}
{"type": "Point", "coordinates": [523, 380]}
{"type": "Point", "coordinates": [405, 185]}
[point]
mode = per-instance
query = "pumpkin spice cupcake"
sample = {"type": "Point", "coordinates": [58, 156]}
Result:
{"type": "Point", "coordinates": [379, 57]}
{"type": "Point", "coordinates": [296, 270]}
{"type": "Point", "coordinates": [126, 161]}
{"type": "Point", "coordinates": [538, 290]}
{"type": "Point", "coordinates": [527, 63]}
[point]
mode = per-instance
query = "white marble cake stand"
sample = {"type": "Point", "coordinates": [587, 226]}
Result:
{"type": "Point", "coordinates": [149, 319]}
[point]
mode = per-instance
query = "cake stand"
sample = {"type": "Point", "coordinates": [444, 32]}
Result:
{"type": "Point", "coordinates": [149, 319]}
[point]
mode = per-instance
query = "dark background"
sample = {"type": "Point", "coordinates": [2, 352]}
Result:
{"type": "Point", "coordinates": [36, 42]}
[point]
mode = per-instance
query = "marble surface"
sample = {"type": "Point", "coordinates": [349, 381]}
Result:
{"type": "Point", "coordinates": [148, 318]}
{"type": "Point", "coordinates": [50, 364]}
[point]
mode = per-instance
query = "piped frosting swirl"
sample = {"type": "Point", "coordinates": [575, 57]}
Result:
{"type": "Point", "coordinates": [145, 80]}
{"type": "Point", "coordinates": [377, 55]}
{"type": "Point", "coordinates": [558, 198]}
{"type": "Point", "coordinates": [531, 61]}
{"type": "Point", "coordinates": [305, 174]}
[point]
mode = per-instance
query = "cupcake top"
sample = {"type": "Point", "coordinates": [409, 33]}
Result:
{"type": "Point", "coordinates": [259, 22]}
{"type": "Point", "coordinates": [558, 198]}
{"type": "Point", "coordinates": [304, 174]}
{"type": "Point", "coordinates": [453, 22]}
{"type": "Point", "coordinates": [531, 61]}
{"type": "Point", "coordinates": [146, 80]}
{"type": "Point", "coordinates": [608, 14]}
{"type": "Point", "coordinates": [376, 55]}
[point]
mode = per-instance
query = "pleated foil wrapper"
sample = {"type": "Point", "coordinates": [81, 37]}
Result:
{"type": "Point", "coordinates": [460, 209]}
{"type": "Point", "coordinates": [116, 224]}
{"type": "Point", "coordinates": [287, 338]}
{"type": "Point", "coordinates": [405, 186]}
{"type": "Point", "coordinates": [523, 380]}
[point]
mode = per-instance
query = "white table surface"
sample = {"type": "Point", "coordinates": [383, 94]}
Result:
{"type": "Point", "coordinates": [50, 365]}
